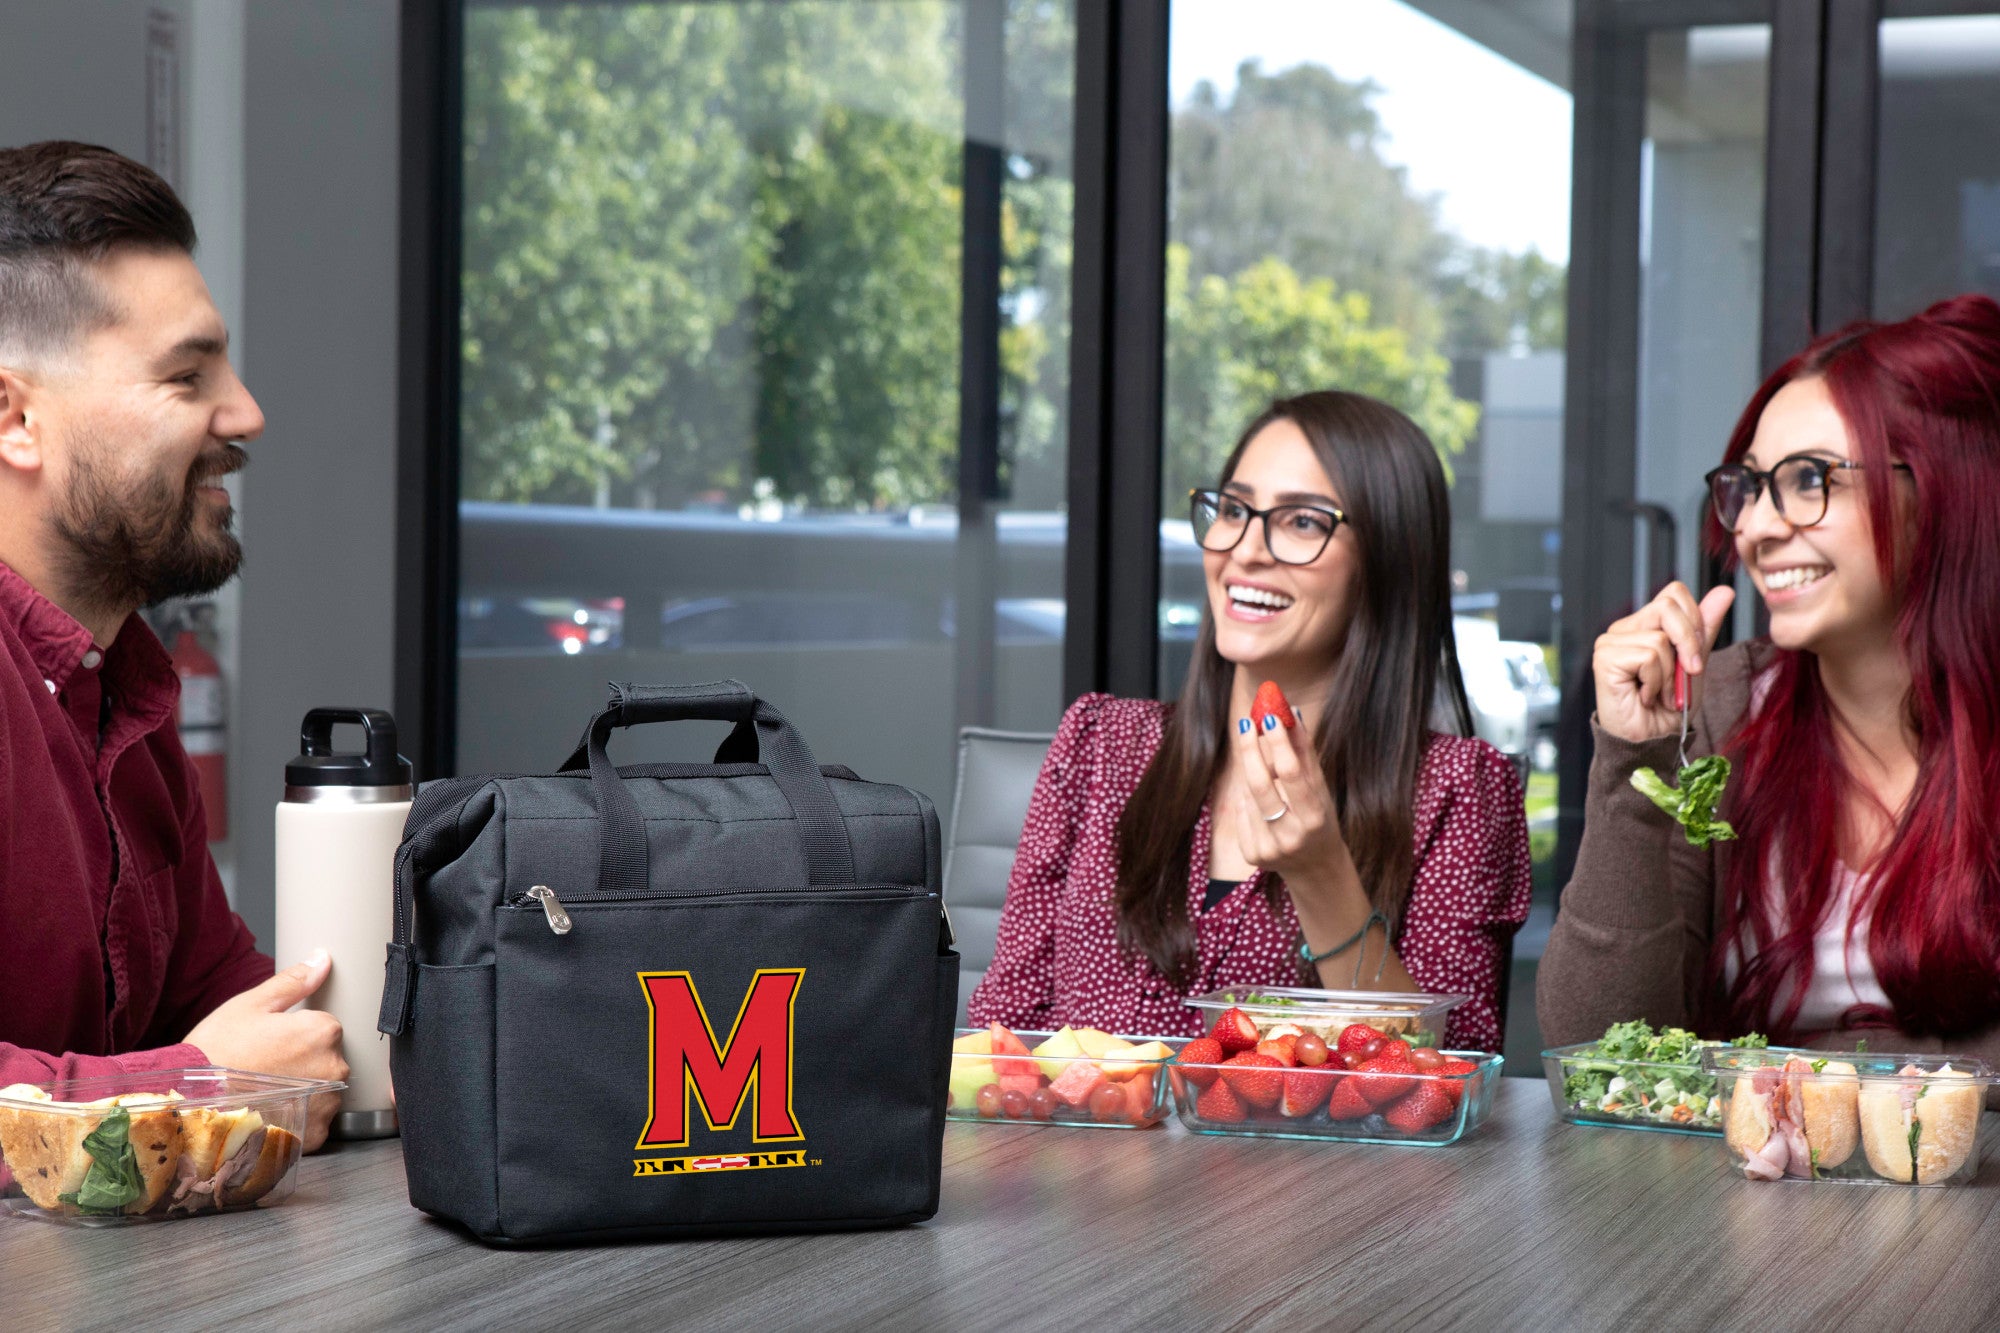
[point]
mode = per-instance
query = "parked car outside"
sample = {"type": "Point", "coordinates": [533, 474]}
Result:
{"type": "Point", "coordinates": [1514, 703]}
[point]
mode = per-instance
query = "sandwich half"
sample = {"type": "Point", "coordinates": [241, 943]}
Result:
{"type": "Point", "coordinates": [1921, 1127]}
{"type": "Point", "coordinates": [1795, 1119]}
{"type": "Point", "coordinates": [231, 1158]}
{"type": "Point", "coordinates": [95, 1160]}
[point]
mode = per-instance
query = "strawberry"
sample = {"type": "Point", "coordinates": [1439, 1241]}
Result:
{"type": "Point", "coordinates": [1354, 1036]}
{"type": "Point", "coordinates": [1255, 1078]}
{"type": "Point", "coordinates": [1385, 1087]}
{"type": "Point", "coordinates": [1429, 1105]}
{"type": "Point", "coordinates": [1271, 702]}
{"type": "Point", "coordinates": [1235, 1031]}
{"type": "Point", "coordinates": [1306, 1090]}
{"type": "Point", "coordinates": [1280, 1049]}
{"type": "Point", "coordinates": [1398, 1051]}
{"type": "Point", "coordinates": [1200, 1051]}
{"type": "Point", "coordinates": [1451, 1073]}
{"type": "Point", "coordinates": [1283, 1030]}
{"type": "Point", "coordinates": [1347, 1102]}
{"type": "Point", "coordinates": [1219, 1103]}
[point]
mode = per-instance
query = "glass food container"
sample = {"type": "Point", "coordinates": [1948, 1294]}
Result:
{"type": "Point", "coordinates": [1851, 1118]}
{"type": "Point", "coordinates": [1330, 1102]}
{"type": "Point", "coordinates": [148, 1147]}
{"type": "Point", "coordinates": [1074, 1076]}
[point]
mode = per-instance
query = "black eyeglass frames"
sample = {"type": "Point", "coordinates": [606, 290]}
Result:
{"type": "Point", "coordinates": [1293, 534]}
{"type": "Point", "coordinates": [1800, 485]}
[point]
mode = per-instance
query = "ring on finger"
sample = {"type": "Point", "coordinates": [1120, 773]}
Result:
{"type": "Point", "coordinates": [1283, 810]}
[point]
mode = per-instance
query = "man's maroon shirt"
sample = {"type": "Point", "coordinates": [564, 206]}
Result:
{"type": "Point", "coordinates": [115, 935]}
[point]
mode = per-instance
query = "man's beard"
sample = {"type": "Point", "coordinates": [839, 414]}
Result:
{"type": "Point", "coordinates": [147, 545]}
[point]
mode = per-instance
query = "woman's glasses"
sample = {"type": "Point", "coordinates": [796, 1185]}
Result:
{"type": "Point", "coordinates": [1799, 486]}
{"type": "Point", "coordinates": [1293, 534]}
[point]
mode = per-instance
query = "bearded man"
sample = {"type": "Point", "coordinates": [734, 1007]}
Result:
{"type": "Point", "coordinates": [120, 414]}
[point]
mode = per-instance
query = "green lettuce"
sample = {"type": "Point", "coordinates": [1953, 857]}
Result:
{"type": "Point", "coordinates": [1693, 803]}
{"type": "Point", "coordinates": [113, 1179]}
{"type": "Point", "coordinates": [1644, 1058]}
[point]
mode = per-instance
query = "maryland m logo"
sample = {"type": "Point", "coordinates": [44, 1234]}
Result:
{"type": "Point", "coordinates": [685, 1062]}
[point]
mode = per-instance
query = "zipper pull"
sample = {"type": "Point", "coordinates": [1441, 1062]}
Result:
{"type": "Point", "coordinates": [559, 922]}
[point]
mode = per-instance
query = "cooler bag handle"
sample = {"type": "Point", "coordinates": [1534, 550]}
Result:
{"type": "Point", "coordinates": [625, 859]}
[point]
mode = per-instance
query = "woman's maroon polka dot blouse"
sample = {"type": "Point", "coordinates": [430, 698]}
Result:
{"type": "Point", "coordinates": [1057, 959]}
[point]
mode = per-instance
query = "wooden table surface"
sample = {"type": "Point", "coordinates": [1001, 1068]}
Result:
{"type": "Point", "coordinates": [1528, 1223]}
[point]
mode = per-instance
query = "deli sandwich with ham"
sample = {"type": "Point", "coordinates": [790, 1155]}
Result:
{"type": "Point", "coordinates": [1808, 1116]}
{"type": "Point", "coordinates": [140, 1153]}
{"type": "Point", "coordinates": [1794, 1119]}
{"type": "Point", "coordinates": [1922, 1126]}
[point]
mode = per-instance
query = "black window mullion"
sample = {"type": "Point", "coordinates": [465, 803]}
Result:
{"type": "Point", "coordinates": [1089, 351]}
{"type": "Point", "coordinates": [1118, 341]}
{"type": "Point", "coordinates": [1847, 156]}
{"type": "Point", "coordinates": [1601, 381]}
{"type": "Point", "coordinates": [425, 684]}
{"type": "Point", "coordinates": [1792, 181]}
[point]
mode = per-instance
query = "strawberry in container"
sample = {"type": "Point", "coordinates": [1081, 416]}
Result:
{"type": "Point", "coordinates": [1073, 1076]}
{"type": "Point", "coordinates": [1284, 1080]}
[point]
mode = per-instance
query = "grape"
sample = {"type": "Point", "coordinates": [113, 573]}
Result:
{"type": "Point", "coordinates": [1108, 1103]}
{"type": "Point", "coordinates": [1014, 1102]}
{"type": "Point", "coordinates": [1042, 1104]}
{"type": "Point", "coordinates": [1425, 1058]}
{"type": "Point", "coordinates": [1374, 1047]}
{"type": "Point", "coordinates": [988, 1100]}
{"type": "Point", "coordinates": [1310, 1049]}
{"type": "Point", "coordinates": [1352, 1059]}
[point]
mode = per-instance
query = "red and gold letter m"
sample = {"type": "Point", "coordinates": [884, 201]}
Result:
{"type": "Point", "coordinates": [686, 1062]}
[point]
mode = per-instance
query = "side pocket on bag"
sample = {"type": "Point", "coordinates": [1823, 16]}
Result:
{"type": "Point", "coordinates": [944, 1016]}
{"type": "Point", "coordinates": [443, 1067]}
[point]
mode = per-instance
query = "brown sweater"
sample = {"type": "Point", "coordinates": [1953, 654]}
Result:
{"type": "Point", "coordinates": [1637, 919]}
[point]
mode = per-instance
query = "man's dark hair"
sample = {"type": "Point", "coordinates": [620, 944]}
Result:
{"type": "Point", "coordinates": [63, 207]}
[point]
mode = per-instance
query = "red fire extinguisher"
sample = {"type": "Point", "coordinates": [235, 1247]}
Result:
{"type": "Point", "coordinates": [201, 726]}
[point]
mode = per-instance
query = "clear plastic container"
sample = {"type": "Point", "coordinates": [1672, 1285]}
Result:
{"type": "Point", "coordinates": [1417, 1018]}
{"type": "Point", "coordinates": [1589, 1089]}
{"type": "Point", "coordinates": [1852, 1118]}
{"type": "Point", "coordinates": [1405, 1108]}
{"type": "Point", "coordinates": [151, 1147]}
{"type": "Point", "coordinates": [1117, 1090]}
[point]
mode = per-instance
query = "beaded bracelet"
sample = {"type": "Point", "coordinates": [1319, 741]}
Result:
{"type": "Point", "coordinates": [1311, 959]}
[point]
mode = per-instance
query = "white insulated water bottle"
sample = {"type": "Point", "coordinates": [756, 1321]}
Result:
{"type": "Point", "coordinates": [338, 829]}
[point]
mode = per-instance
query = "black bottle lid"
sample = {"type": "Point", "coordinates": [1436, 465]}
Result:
{"type": "Point", "coordinates": [317, 765]}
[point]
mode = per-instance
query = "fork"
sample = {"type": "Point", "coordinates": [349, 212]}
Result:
{"type": "Point", "coordinates": [1681, 702]}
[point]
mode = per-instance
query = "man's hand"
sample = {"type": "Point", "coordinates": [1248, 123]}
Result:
{"type": "Point", "coordinates": [255, 1032]}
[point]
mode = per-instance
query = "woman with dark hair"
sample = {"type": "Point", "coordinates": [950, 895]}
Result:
{"type": "Point", "coordinates": [1176, 849]}
{"type": "Point", "coordinates": [1861, 493]}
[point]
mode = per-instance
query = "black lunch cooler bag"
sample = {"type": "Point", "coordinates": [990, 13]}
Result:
{"type": "Point", "coordinates": [671, 999]}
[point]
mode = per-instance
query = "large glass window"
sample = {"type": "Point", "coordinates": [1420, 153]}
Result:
{"type": "Point", "coordinates": [1364, 197]}
{"type": "Point", "coordinates": [722, 267]}
{"type": "Point", "coordinates": [1937, 173]}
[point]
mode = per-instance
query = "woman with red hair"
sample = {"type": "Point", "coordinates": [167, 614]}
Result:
{"type": "Point", "coordinates": [1861, 894]}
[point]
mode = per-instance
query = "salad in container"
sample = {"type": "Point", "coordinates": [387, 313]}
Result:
{"type": "Point", "coordinates": [1073, 1076]}
{"type": "Point", "coordinates": [1852, 1117]}
{"type": "Point", "coordinates": [1347, 1081]}
{"type": "Point", "coordinates": [1635, 1078]}
{"type": "Point", "coordinates": [148, 1147]}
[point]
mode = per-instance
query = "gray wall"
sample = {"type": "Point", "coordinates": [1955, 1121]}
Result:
{"type": "Point", "coordinates": [75, 71]}
{"type": "Point", "coordinates": [318, 525]}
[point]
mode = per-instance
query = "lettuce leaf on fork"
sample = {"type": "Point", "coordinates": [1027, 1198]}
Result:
{"type": "Point", "coordinates": [1693, 803]}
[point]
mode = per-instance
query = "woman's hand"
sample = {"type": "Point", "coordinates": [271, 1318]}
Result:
{"type": "Point", "coordinates": [1283, 777]}
{"type": "Point", "coordinates": [1633, 661]}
